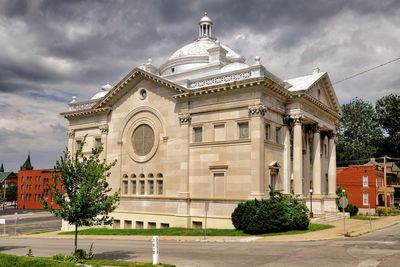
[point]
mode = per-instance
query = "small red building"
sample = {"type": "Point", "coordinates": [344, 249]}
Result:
{"type": "Point", "coordinates": [33, 184]}
{"type": "Point", "coordinates": [364, 186]}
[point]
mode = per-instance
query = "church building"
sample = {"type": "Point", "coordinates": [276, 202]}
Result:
{"type": "Point", "coordinates": [205, 131]}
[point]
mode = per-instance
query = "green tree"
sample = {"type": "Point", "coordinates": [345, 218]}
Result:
{"type": "Point", "coordinates": [388, 112]}
{"type": "Point", "coordinates": [11, 193]}
{"type": "Point", "coordinates": [359, 135]}
{"type": "Point", "coordinates": [83, 199]}
{"type": "Point", "coordinates": [1, 196]}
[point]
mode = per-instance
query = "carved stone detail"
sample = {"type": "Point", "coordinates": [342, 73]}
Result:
{"type": "Point", "coordinates": [331, 134]}
{"type": "Point", "coordinates": [221, 79]}
{"type": "Point", "coordinates": [316, 128]}
{"type": "Point", "coordinates": [103, 129]}
{"type": "Point", "coordinates": [185, 118]}
{"type": "Point", "coordinates": [298, 119]}
{"type": "Point", "coordinates": [71, 133]}
{"type": "Point", "coordinates": [287, 120]}
{"type": "Point", "coordinates": [257, 110]}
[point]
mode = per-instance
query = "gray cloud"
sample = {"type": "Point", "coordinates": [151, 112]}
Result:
{"type": "Point", "coordinates": [52, 50]}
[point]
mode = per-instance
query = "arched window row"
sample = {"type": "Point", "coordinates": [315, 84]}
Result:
{"type": "Point", "coordinates": [142, 184]}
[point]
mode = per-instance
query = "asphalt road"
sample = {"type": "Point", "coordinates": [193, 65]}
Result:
{"type": "Point", "coordinates": [380, 248]}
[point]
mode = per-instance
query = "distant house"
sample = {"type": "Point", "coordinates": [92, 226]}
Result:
{"type": "Point", "coordinates": [33, 184]}
{"type": "Point", "coordinates": [7, 178]}
{"type": "Point", "coordinates": [364, 185]}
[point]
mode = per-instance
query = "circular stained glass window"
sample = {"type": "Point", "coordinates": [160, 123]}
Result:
{"type": "Point", "coordinates": [143, 140]}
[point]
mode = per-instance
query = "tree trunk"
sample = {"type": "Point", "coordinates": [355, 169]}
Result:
{"type": "Point", "coordinates": [76, 237]}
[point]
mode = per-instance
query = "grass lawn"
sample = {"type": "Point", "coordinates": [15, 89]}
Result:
{"type": "Point", "coordinates": [363, 217]}
{"type": "Point", "coordinates": [187, 231]}
{"type": "Point", "coordinates": [12, 260]}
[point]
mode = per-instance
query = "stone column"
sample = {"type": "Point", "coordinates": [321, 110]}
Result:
{"type": "Point", "coordinates": [332, 165]}
{"type": "Point", "coordinates": [298, 156]}
{"type": "Point", "coordinates": [257, 113]}
{"type": "Point", "coordinates": [317, 182]}
{"type": "Point", "coordinates": [286, 155]}
{"type": "Point", "coordinates": [185, 120]}
{"type": "Point", "coordinates": [104, 132]}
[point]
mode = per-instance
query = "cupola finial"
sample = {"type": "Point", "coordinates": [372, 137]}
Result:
{"type": "Point", "coordinates": [205, 24]}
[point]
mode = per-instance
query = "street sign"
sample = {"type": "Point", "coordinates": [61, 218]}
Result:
{"type": "Point", "coordinates": [343, 202]}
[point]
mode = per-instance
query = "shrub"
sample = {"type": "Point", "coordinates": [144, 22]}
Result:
{"type": "Point", "coordinates": [278, 214]}
{"type": "Point", "coordinates": [352, 209]}
{"type": "Point", "coordinates": [380, 212]}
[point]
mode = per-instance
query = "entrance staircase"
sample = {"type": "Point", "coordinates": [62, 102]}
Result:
{"type": "Point", "coordinates": [327, 217]}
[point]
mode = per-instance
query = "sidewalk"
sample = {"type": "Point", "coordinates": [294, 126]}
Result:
{"type": "Point", "coordinates": [353, 228]}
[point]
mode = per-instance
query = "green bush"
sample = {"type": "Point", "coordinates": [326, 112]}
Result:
{"type": "Point", "coordinates": [278, 214]}
{"type": "Point", "coordinates": [352, 209]}
{"type": "Point", "coordinates": [380, 212]}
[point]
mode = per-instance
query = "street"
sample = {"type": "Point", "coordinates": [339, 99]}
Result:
{"type": "Point", "coordinates": [379, 248]}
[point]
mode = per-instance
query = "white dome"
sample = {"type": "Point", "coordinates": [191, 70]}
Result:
{"type": "Point", "coordinates": [234, 66]}
{"type": "Point", "coordinates": [205, 18]}
{"type": "Point", "coordinates": [104, 90]}
{"type": "Point", "coordinates": [199, 48]}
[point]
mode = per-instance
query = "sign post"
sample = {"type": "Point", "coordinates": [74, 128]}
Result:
{"type": "Point", "coordinates": [156, 251]}
{"type": "Point", "coordinates": [343, 203]}
{"type": "Point", "coordinates": [3, 222]}
{"type": "Point", "coordinates": [206, 207]}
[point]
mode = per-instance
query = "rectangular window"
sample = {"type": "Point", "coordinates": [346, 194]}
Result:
{"type": "Point", "coordinates": [133, 187]}
{"type": "Point", "coordinates": [219, 132]}
{"type": "Point", "coordinates": [78, 144]}
{"type": "Point", "coordinates": [151, 187]}
{"type": "Point", "coordinates": [243, 130]}
{"type": "Point", "coordinates": [198, 134]}
{"type": "Point", "coordinates": [97, 141]}
{"type": "Point", "coordinates": [267, 131]}
{"type": "Point", "coordinates": [365, 200]}
{"type": "Point", "coordinates": [139, 225]}
{"type": "Point", "coordinates": [160, 187]}
{"type": "Point", "coordinates": [142, 188]}
{"type": "Point", "coordinates": [278, 135]}
{"type": "Point", "coordinates": [365, 181]}
{"type": "Point", "coordinates": [127, 224]}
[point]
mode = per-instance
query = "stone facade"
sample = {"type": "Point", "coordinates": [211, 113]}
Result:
{"type": "Point", "coordinates": [185, 138]}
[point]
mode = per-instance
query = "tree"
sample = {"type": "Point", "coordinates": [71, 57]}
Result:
{"type": "Point", "coordinates": [83, 199]}
{"type": "Point", "coordinates": [11, 193]}
{"type": "Point", "coordinates": [388, 112]}
{"type": "Point", "coordinates": [359, 135]}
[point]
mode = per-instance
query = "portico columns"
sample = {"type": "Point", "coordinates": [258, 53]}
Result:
{"type": "Point", "coordinates": [257, 113]}
{"type": "Point", "coordinates": [316, 161]}
{"type": "Point", "coordinates": [286, 155]}
{"type": "Point", "coordinates": [332, 165]}
{"type": "Point", "coordinates": [298, 156]}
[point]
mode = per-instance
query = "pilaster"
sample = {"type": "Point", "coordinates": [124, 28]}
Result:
{"type": "Point", "coordinates": [185, 120]}
{"type": "Point", "coordinates": [286, 155]}
{"type": "Point", "coordinates": [104, 132]}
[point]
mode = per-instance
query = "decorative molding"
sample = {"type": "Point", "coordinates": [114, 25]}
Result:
{"type": "Point", "coordinates": [83, 105]}
{"type": "Point", "coordinates": [185, 118]}
{"type": "Point", "coordinates": [222, 79]}
{"type": "Point", "coordinates": [103, 129]}
{"type": "Point", "coordinates": [71, 133]}
{"type": "Point", "coordinates": [287, 120]}
{"type": "Point", "coordinates": [316, 128]}
{"type": "Point", "coordinates": [298, 119]}
{"type": "Point", "coordinates": [257, 110]}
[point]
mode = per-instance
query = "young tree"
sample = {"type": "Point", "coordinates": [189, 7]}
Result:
{"type": "Point", "coordinates": [359, 134]}
{"type": "Point", "coordinates": [388, 111]}
{"type": "Point", "coordinates": [83, 199]}
{"type": "Point", "coordinates": [11, 193]}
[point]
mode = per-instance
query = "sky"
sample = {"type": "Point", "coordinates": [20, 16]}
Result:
{"type": "Point", "coordinates": [53, 50]}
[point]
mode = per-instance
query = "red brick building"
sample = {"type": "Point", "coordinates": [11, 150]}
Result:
{"type": "Point", "coordinates": [33, 184]}
{"type": "Point", "coordinates": [364, 186]}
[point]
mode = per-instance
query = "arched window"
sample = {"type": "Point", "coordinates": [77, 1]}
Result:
{"type": "Point", "coordinates": [150, 184]}
{"type": "Point", "coordinates": [125, 184]}
{"type": "Point", "coordinates": [142, 184]}
{"type": "Point", "coordinates": [160, 184]}
{"type": "Point", "coordinates": [133, 184]}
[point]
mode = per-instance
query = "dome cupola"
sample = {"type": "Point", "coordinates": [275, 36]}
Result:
{"type": "Point", "coordinates": [205, 26]}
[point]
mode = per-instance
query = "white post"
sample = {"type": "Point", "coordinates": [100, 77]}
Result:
{"type": "Point", "coordinates": [156, 252]}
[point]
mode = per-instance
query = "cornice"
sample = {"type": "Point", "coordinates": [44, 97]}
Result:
{"type": "Point", "coordinates": [86, 112]}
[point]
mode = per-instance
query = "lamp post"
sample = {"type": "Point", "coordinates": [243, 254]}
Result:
{"type": "Point", "coordinates": [311, 212]}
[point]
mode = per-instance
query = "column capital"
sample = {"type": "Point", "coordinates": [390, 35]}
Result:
{"type": "Point", "coordinates": [103, 128]}
{"type": "Point", "coordinates": [257, 110]}
{"type": "Point", "coordinates": [316, 128]}
{"type": "Point", "coordinates": [71, 133]}
{"type": "Point", "coordinates": [287, 120]}
{"type": "Point", "coordinates": [331, 134]}
{"type": "Point", "coordinates": [185, 118]}
{"type": "Point", "coordinates": [298, 119]}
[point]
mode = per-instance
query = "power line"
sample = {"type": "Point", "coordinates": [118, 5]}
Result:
{"type": "Point", "coordinates": [368, 70]}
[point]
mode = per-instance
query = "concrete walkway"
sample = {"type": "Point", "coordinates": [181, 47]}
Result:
{"type": "Point", "coordinates": [353, 228]}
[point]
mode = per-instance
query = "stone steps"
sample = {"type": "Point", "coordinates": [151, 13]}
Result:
{"type": "Point", "coordinates": [328, 217]}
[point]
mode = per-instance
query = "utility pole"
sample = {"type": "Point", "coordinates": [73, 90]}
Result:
{"type": "Point", "coordinates": [384, 185]}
